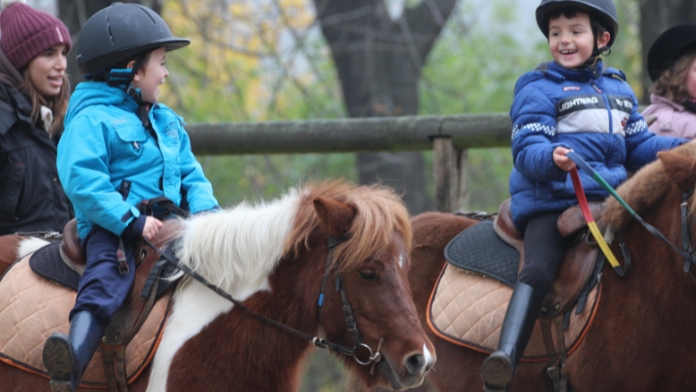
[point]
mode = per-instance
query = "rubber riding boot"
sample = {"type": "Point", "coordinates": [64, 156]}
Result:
{"type": "Point", "coordinates": [66, 358]}
{"type": "Point", "coordinates": [498, 369]}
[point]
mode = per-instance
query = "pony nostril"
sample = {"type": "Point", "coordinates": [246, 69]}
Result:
{"type": "Point", "coordinates": [415, 364]}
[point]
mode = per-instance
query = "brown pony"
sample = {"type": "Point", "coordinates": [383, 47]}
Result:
{"type": "Point", "coordinates": [642, 337]}
{"type": "Point", "coordinates": [273, 257]}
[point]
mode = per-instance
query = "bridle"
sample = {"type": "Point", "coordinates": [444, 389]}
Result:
{"type": "Point", "coordinates": [355, 351]}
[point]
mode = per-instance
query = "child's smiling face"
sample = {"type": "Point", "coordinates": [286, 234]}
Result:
{"type": "Point", "coordinates": [571, 41]}
{"type": "Point", "coordinates": [151, 75]}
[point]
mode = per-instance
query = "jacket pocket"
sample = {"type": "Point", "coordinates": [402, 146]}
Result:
{"type": "Point", "coordinates": [129, 141]}
{"type": "Point", "coordinates": [12, 188]}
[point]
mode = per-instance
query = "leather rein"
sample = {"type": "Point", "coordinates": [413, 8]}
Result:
{"type": "Point", "coordinates": [372, 357]}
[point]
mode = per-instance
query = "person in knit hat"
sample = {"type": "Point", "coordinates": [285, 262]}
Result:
{"type": "Point", "coordinates": [34, 92]}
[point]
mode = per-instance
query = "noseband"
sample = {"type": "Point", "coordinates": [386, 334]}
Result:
{"type": "Point", "coordinates": [372, 357]}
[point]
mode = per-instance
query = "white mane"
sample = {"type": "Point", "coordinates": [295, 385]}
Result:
{"type": "Point", "coordinates": [241, 245]}
{"type": "Point", "coordinates": [235, 249]}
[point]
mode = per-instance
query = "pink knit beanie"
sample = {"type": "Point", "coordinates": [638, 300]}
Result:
{"type": "Point", "coordinates": [26, 32]}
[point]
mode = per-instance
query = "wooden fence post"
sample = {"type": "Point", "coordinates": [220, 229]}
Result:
{"type": "Point", "coordinates": [463, 196]}
{"type": "Point", "coordinates": [445, 174]}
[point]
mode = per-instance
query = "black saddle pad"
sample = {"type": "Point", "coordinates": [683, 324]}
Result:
{"type": "Point", "coordinates": [47, 263]}
{"type": "Point", "coordinates": [479, 249]}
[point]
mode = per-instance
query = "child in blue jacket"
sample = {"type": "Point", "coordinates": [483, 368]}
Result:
{"type": "Point", "coordinates": [120, 147]}
{"type": "Point", "coordinates": [570, 103]}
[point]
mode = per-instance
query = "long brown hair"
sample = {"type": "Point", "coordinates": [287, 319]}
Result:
{"type": "Point", "coordinates": [58, 103]}
{"type": "Point", "coordinates": [672, 82]}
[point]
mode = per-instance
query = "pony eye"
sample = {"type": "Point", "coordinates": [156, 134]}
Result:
{"type": "Point", "coordinates": [368, 274]}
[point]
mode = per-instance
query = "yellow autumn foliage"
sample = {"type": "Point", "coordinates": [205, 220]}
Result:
{"type": "Point", "coordinates": [239, 54]}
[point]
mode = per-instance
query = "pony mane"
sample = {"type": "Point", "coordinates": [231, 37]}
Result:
{"type": "Point", "coordinates": [380, 214]}
{"type": "Point", "coordinates": [642, 191]}
{"type": "Point", "coordinates": [236, 249]}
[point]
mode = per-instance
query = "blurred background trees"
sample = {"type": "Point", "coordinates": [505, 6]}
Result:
{"type": "Point", "coordinates": [261, 60]}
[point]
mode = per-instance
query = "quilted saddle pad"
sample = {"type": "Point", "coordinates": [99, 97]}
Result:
{"type": "Point", "coordinates": [467, 309]}
{"type": "Point", "coordinates": [479, 249]}
{"type": "Point", "coordinates": [32, 308]}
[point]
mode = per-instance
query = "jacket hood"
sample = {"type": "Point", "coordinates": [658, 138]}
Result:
{"type": "Point", "coordinates": [97, 93]}
{"type": "Point", "coordinates": [8, 73]}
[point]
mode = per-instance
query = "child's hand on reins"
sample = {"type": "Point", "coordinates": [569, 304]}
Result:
{"type": "Point", "coordinates": [152, 226]}
{"type": "Point", "coordinates": [561, 160]}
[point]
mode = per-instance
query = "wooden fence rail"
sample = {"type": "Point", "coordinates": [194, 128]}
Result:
{"type": "Point", "coordinates": [448, 136]}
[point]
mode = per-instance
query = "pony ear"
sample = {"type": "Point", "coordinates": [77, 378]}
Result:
{"type": "Point", "coordinates": [334, 216]}
{"type": "Point", "coordinates": [680, 165]}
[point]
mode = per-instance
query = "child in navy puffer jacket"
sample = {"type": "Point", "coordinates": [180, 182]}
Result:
{"type": "Point", "coordinates": [570, 103]}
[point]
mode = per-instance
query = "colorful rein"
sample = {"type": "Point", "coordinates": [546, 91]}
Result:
{"type": "Point", "coordinates": [688, 252]}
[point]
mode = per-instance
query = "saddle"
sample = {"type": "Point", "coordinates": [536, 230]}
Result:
{"type": "Point", "coordinates": [63, 263]}
{"type": "Point", "coordinates": [578, 263]}
{"type": "Point", "coordinates": [496, 249]}
{"type": "Point", "coordinates": [469, 301]}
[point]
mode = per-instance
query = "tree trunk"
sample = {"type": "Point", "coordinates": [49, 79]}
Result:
{"type": "Point", "coordinates": [74, 13]}
{"type": "Point", "coordinates": [379, 62]}
{"type": "Point", "coordinates": [656, 16]}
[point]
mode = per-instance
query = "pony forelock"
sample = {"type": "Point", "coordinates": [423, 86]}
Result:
{"type": "Point", "coordinates": [380, 214]}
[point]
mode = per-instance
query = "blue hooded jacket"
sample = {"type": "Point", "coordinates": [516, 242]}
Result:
{"type": "Point", "coordinates": [591, 111]}
{"type": "Point", "coordinates": [105, 144]}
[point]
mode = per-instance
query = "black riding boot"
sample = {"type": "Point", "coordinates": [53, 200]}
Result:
{"type": "Point", "coordinates": [499, 368]}
{"type": "Point", "coordinates": [66, 358]}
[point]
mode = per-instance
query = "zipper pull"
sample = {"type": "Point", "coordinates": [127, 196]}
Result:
{"type": "Point", "coordinates": [594, 86]}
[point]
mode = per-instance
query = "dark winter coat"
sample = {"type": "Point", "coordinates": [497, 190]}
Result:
{"type": "Point", "coordinates": [31, 196]}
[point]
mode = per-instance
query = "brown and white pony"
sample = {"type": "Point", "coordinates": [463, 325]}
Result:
{"type": "Point", "coordinates": [642, 336]}
{"type": "Point", "coordinates": [272, 257]}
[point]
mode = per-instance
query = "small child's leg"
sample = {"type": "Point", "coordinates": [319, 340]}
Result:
{"type": "Point", "coordinates": [544, 251]}
{"type": "Point", "coordinates": [101, 291]}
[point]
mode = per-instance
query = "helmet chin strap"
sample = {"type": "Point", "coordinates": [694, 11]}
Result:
{"type": "Point", "coordinates": [122, 78]}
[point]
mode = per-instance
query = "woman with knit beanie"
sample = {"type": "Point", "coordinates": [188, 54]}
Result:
{"type": "Point", "coordinates": [34, 91]}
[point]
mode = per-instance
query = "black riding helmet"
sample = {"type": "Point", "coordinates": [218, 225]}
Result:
{"type": "Point", "coordinates": [604, 11]}
{"type": "Point", "coordinates": [669, 47]}
{"type": "Point", "coordinates": [119, 32]}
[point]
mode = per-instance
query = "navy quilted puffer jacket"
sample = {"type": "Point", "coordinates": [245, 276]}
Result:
{"type": "Point", "coordinates": [592, 111]}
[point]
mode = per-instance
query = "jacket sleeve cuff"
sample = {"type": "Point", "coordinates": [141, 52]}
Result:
{"type": "Point", "coordinates": [134, 230]}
